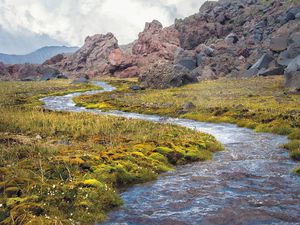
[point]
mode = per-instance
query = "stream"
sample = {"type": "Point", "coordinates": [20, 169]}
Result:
{"type": "Point", "coordinates": [250, 182]}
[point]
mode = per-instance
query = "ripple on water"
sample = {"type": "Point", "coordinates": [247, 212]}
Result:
{"type": "Point", "coordinates": [248, 183]}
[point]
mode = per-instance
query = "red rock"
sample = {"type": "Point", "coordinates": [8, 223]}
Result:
{"type": "Point", "coordinates": [128, 72]}
{"type": "Point", "coordinates": [156, 42]}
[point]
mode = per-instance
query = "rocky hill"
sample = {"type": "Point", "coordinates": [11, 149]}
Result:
{"type": "Point", "coordinates": [232, 38]}
{"type": "Point", "coordinates": [37, 57]}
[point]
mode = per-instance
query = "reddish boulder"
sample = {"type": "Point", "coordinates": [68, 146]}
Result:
{"type": "Point", "coordinates": [156, 42]}
{"type": "Point", "coordinates": [128, 72]}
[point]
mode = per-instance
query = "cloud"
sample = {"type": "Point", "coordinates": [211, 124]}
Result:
{"type": "Point", "coordinates": [70, 21]}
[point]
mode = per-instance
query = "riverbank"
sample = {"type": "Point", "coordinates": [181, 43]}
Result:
{"type": "Point", "coordinates": [259, 103]}
{"type": "Point", "coordinates": [59, 167]}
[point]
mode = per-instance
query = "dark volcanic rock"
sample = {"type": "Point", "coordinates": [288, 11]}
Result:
{"type": "Point", "coordinates": [186, 58]}
{"type": "Point", "coordinates": [262, 63]}
{"type": "Point", "coordinates": [49, 73]}
{"type": "Point", "coordinates": [292, 74]}
{"type": "Point", "coordinates": [166, 75]}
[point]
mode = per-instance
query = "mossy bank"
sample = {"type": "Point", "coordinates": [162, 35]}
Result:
{"type": "Point", "coordinates": [67, 168]}
{"type": "Point", "coordinates": [260, 103]}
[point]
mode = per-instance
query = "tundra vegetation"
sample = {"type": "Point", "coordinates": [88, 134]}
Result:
{"type": "Point", "coordinates": [260, 103]}
{"type": "Point", "coordinates": [67, 168]}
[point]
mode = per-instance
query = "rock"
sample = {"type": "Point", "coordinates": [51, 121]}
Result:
{"type": "Point", "coordinates": [49, 73]}
{"type": "Point", "coordinates": [157, 42]}
{"type": "Point", "coordinates": [205, 73]}
{"type": "Point", "coordinates": [93, 55]}
{"type": "Point", "coordinates": [136, 88]}
{"type": "Point", "coordinates": [61, 76]}
{"type": "Point", "coordinates": [195, 30]}
{"type": "Point", "coordinates": [188, 106]}
{"type": "Point", "coordinates": [28, 72]}
{"type": "Point", "coordinates": [279, 70]}
{"type": "Point", "coordinates": [231, 38]}
{"type": "Point", "coordinates": [261, 24]}
{"type": "Point", "coordinates": [80, 80]}
{"type": "Point", "coordinates": [288, 55]}
{"type": "Point", "coordinates": [279, 44]}
{"type": "Point", "coordinates": [286, 17]}
{"type": "Point", "coordinates": [166, 75]}
{"type": "Point", "coordinates": [208, 6]}
{"type": "Point", "coordinates": [29, 78]}
{"type": "Point", "coordinates": [292, 74]}
{"type": "Point", "coordinates": [263, 62]}
{"type": "Point", "coordinates": [185, 58]}
{"type": "Point", "coordinates": [294, 10]}
{"type": "Point", "coordinates": [200, 58]}
{"type": "Point", "coordinates": [128, 72]}
{"type": "Point", "coordinates": [54, 60]}
{"type": "Point", "coordinates": [294, 65]}
{"type": "Point", "coordinates": [295, 37]}
{"type": "Point", "coordinates": [122, 64]}
{"type": "Point", "coordinates": [292, 80]}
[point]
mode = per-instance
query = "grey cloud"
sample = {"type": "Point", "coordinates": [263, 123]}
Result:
{"type": "Point", "coordinates": [70, 21]}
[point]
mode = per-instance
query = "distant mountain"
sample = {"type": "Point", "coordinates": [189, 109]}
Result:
{"type": "Point", "coordinates": [37, 57]}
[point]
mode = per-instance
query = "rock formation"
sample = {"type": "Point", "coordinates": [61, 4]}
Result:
{"type": "Point", "coordinates": [165, 75]}
{"type": "Point", "coordinates": [233, 38]}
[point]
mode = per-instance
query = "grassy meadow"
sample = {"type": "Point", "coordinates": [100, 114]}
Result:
{"type": "Point", "coordinates": [67, 168]}
{"type": "Point", "coordinates": [260, 103]}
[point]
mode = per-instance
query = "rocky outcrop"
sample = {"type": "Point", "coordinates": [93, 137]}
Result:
{"type": "Point", "coordinates": [156, 43]}
{"type": "Point", "coordinates": [93, 55]}
{"type": "Point", "coordinates": [166, 75]}
{"type": "Point", "coordinates": [101, 54]}
{"type": "Point", "coordinates": [29, 72]}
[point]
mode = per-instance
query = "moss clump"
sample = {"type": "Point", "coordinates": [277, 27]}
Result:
{"type": "Point", "coordinates": [93, 183]}
{"type": "Point", "coordinates": [296, 171]}
{"type": "Point", "coordinates": [14, 201]}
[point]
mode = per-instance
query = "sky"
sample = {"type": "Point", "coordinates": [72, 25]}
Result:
{"type": "Point", "coordinates": [26, 25]}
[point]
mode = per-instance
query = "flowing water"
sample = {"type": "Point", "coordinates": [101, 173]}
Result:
{"type": "Point", "coordinates": [248, 183]}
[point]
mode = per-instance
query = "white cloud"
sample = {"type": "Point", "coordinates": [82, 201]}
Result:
{"type": "Point", "coordinates": [71, 21]}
